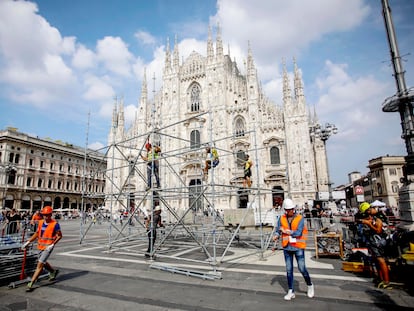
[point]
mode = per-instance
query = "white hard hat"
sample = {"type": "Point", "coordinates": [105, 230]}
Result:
{"type": "Point", "coordinates": [288, 204]}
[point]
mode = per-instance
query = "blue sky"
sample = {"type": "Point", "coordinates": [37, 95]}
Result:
{"type": "Point", "coordinates": [61, 59]}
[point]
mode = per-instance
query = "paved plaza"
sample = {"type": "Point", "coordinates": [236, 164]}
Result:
{"type": "Point", "coordinates": [94, 277]}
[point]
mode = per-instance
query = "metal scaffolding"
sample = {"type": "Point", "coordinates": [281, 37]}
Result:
{"type": "Point", "coordinates": [192, 234]}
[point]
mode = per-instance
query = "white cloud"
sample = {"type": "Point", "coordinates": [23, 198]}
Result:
{"type": "Point", "coordinates": [31, 51]}
{"type": "Point", "coordinates": [145, 37]}
{"type": "Point", "coordinates": [26, 37]}
{"type": "Point", "coordinates": [353, 104]}
{"type": "Point", "coordinates": [129, 112]}
{"type": "Point", "coordinates": [114, 54]}
{"type": "Point", "coordinates": [96, 146]}
{"type": "Point", "coordinates": [283, 28]}
{"type": "Point", "coordinates": [189, 29]}
{"type": "Point", "coordinates": [84, 58]}
{"type": "Point", "coordinates": [98, 89]}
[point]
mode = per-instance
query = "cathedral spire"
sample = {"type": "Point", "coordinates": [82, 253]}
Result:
{"type": "Point", "coordinates": [315, 119]}
{"type": "Point", "coordinates": [121, 117]}
{"type": "Point", "coordinates": [167, 68]}
{"type": "Point", "coordinates": [144, 88]}
{"type": "Point", "coordinates": [176, 61]}
{"type": "Point", "coordinates": [250, 61]}
{"type": "Point", "coordinates": [118, 133]}
{"type": "Point", "coordinates": [115, 114]}
{"type": "Point", "coordinates": [210, 49]}
{"type": "Point", "coordinates": [298, 84]}
{"type": "Point", "coordinates": [219, 44]}
{"type": "Point", "coordinates": [287, 95]}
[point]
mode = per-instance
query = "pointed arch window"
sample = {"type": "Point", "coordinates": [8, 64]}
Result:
{"type": "Point", "coordinates": [195, 139]}
{"type": "Point", "coordinates": [274, 155]}
{"type": "Point", "coordinates": [195, 97]}
{"type": "Point", "coordinates": [239, 127]}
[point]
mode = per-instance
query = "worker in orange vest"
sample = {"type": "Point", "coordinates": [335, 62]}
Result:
{"type": "Point", "coordinates": [291, 227]}
{"type": "Point", "coordinates": [47, 235]}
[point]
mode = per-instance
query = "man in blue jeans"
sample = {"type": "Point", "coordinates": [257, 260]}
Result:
{"type": "Point", "coordinates": [291, 227]}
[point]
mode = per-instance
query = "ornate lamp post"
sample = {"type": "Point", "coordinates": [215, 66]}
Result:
{"type": "Point", "coordinates": [323, 132]}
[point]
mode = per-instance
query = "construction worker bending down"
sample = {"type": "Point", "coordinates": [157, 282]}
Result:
{"type": "Point", "coordinates": [47, 235]}
{"type": "Point", "coordinates": [212, 159]}
{"type": "Point", "coordinates": [247, 181]}
{"type": "Point", "coordinates": [152, 159]}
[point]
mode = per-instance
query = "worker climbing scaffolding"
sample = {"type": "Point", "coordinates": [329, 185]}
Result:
{"type": "Point", "coordinates": [152, 158]}
{"type": "Point", "coordinates": [212, 160]}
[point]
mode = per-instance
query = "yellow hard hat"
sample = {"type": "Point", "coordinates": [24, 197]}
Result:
{"type": "Point", "coordinates": [364, 206]}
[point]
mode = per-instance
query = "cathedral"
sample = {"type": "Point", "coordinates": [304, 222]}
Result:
{"type": "Point", "coordinates": [206, 101]}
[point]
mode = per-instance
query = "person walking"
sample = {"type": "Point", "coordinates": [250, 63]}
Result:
{"type": "Point", "coordinates": [47, 235]}
{"type": "Point", "coordinates": [292, 229]}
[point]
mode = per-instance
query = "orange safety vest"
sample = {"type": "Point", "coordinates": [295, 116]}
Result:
{"type": "Point", "coordinates": [47, 238]}
{"type": "Point", "coordinates": [301, 240]}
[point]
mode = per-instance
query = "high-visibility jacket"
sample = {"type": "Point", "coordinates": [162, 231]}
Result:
{"type": "Point", "coordinates": [300, 240]}
{"type": "Point", "coordinates": [214, 154]}
{"type": "Point", "coordinates": [150, 153]}
{"type": "Point", "coordinates": [248, 164]}
{"type": "Point", "coordinates": [48, 236]}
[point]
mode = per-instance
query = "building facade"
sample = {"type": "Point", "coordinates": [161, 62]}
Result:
{"type": "Point", "coordinates": [382, 182]}
{"type": "Point", "coordinates": [207, 101]}
{"type": "Point", "coordinates": [37, 172]}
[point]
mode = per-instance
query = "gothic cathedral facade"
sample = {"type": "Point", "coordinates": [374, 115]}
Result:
{"type": "Point", "coordinates": [206, 101]}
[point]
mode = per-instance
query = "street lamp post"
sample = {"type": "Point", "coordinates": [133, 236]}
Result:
{"type": "Point", "coordinates": [323, 132]}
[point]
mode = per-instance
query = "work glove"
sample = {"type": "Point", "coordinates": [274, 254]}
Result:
{"type": "Point", "coordinates": [26, 244]}
{"type": "Point", "coordinates": [50, 247]}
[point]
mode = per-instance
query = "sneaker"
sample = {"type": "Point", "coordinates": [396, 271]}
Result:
{"type": "Point", "coordinates": [29, 286]}
{"type": "Point", "coordinates": [53, 275]}
{"type": "Point", "coordinates": [383, 285]}
{"type": "Point", "coordinates": [311, 291]}
{"type": "Point", "coordinates": [290, 295]}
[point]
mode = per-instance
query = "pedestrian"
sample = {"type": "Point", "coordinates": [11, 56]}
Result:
{"type": "Point", "coordinates": [13, 222]}
{"type": "Point", "coordinates": [152, 158]}
{"type": "Point", "coordinates": [291, 227]}
{"type": "Point", "coordinates": [47, 235]}
{"type": "Point", "coordinates": [35, 220]}
{"type": "Point", "coordinates": [247, 181]}
{"type": "Point", "coordinates": [308, 215]}
{"type": "Point", "coordinates": [151, 223]}
{"type": "Point", "coordinates": [317, 214]}
{"type": "Point", "coordinates": [375, 237]}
